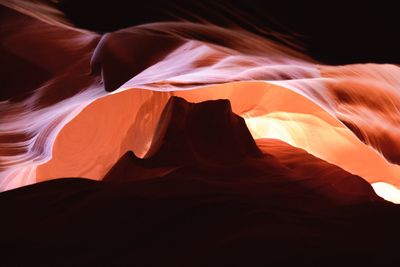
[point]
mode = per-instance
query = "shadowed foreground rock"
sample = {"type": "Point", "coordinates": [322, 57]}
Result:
{"type": "Point", "coordinates": [205, 195]}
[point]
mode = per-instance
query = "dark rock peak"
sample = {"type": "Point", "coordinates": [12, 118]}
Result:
{"type": "Point", "coordinates": [205, 135]}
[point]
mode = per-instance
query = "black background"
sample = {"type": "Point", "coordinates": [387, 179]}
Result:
{"type": "Point", "coordinates": [331, 32]}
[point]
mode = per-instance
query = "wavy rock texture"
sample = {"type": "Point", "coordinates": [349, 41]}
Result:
{"type": "Point", "coordinates": [199, 144]}
{"type": "Point", "coordinates": [189, 144]}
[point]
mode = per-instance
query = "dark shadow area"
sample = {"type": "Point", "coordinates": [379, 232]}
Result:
{"type": "Point", "coordinates": [200, 199]}
{"type": "Point", "coordinates": [332, 32]}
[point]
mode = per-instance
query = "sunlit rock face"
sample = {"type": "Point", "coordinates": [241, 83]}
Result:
{"type": "Point", "coordinates": [84, 99]}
